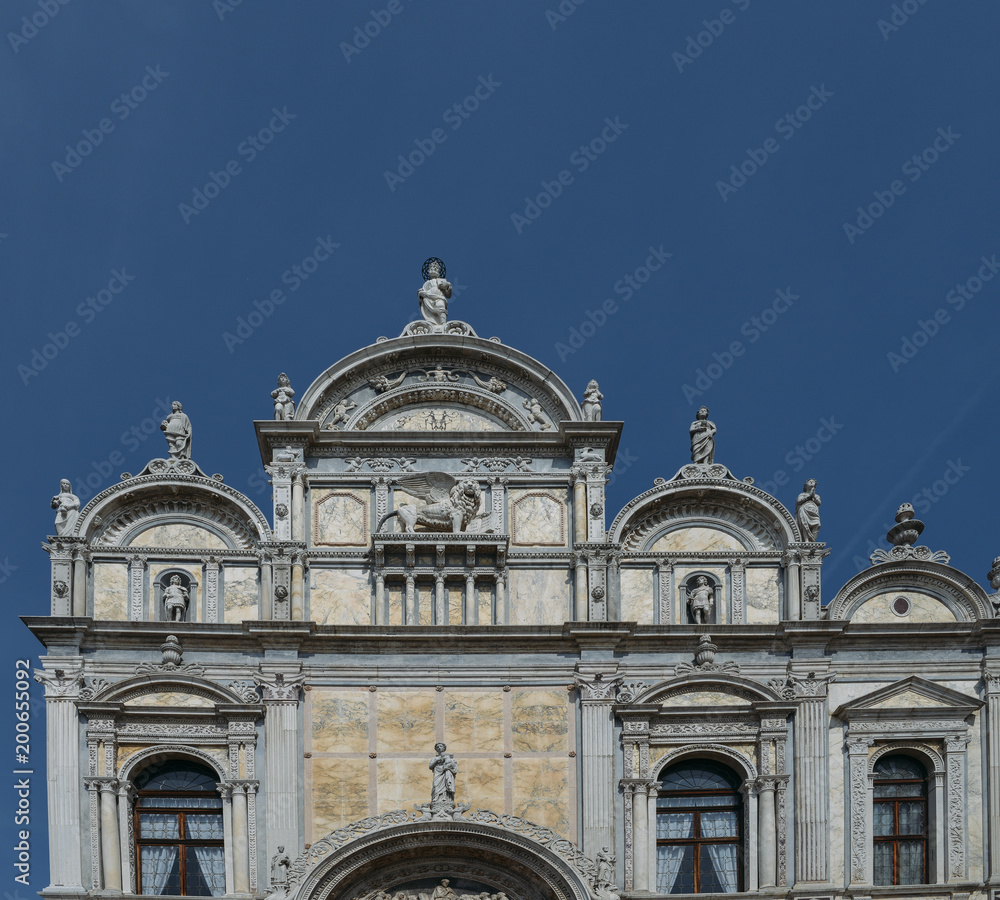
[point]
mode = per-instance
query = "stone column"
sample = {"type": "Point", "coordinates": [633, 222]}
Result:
{"type": "Point", "coordinates": [410, 604]}
{"type": "Point", "coordinates": [111, 860]}
{"type": "Point", "coordinates": [62, 770]}
{"type": "Point", "coordinates": [470, 599]}
{"type": "Point", "coordinates": [126, 835]}
{"type": "Point", "coordinates": [297, 590]}
{"type": "Point", "coordinates": [241, 871]}
{"type": "Point", "coordinates": [379, 599]}
{"type": "Point", "coordinates": [298, 507]}
{"type": "Point", "coordinates": [226, 790]}
{"type": "Point", "coordinates": [859, 813]}
{"type": "Point", "coordinates": [812, 792]}
{"type": "Point", "coordinates": [281, 789]}
{"type": "Point", "coordinates": [651, 839]}
{"type": "Point", "coordinates": [62, 551]}
{"type": "Point", "coordinates": [580, 598]}
{"type": "Point", "coordinates": [793, 603]}
{"type": "Point", "coordinates": [579, 506]}
{"type": "Point", "coordinates": [266, 587]}
{"type": "Point", "coordinates": [640, 839]}
{"type": "Point", "coordinates": [597, 684]}
{"type": "Point", "coordinates": [80, 582]}
{"type": "Point", "coordinates": [439, 616]}
{"type": "Point", "coordinates": [991, 678]}
{"type": "Point", "coordinates": [767, 844]}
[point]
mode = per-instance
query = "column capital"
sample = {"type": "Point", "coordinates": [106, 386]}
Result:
{"type": "Point", "coordinates": [278, 686]}
{"type": "Point", "coordinates": [858, 746]}
{"type": "Point", "coordinates": [597, 686]}
{"type": "Point", "coordinates": [60, 684]}
{"type": "Point", "coordinates": [102, 783]}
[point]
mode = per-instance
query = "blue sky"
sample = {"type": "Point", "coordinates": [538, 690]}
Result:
{"type": "Point", "coordinates": [814, 183]}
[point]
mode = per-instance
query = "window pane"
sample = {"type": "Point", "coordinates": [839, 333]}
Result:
{"type": "Point", "coordinates": [898, 768]}
{"type": "Point", "coordinates": [158, 825]}
{"type": "Point", "coordinates": [718, 869]}
{"type": "Point", "coordinates": [203, 828]}
{"type": "Point", "coordinates": [176, 776]}
{"type": "Point", "coordinates": [675, 869]}
{"type": "Point", "coordinates": [206, 871]}
{"type": "Point", "coordinates": [161, 871]}
{"type": "Point", "coordinates": [883, 819]}
{"type": "Point", "coordinates": [687, 801]}
{"type": "Point", "coordinates": [911, 862]}
{"type": "Point", "coordinates": [674, 826]}
{"type": "Point", "coordinates": [883, 873]}
{"type": "Point", "coordinates": [911, 817]}
{"type": "Point", "coordinates": [701, 776]}
{"type": "Point", "coordinates": [181, 802]}
{"type": "Point", "coordinates": [718, 824]}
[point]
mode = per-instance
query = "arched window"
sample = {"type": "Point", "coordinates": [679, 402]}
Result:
{"type": "Point", "coordinates": [178, 828]}
{"type": "Point", "coordinates": [900, 818]}
{"type": "Point", "coordinates": [699, 830]}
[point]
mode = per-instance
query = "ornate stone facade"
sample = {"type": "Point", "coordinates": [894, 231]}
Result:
{"type": "Point", "coordinates": [438, 570]}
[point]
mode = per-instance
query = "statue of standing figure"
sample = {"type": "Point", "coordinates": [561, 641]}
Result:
{"type": "Point", "coordinates": [605, 867]}
{"type": "Point", "coordinates": [175, 599]}
{"type": "Point", "coordinates": [807, 511]}
{"type": "Point", "coordinates": [280, 864]}
{"type": "Point", "coordinates": [702, 438]}
{"type": "Point", "coordinates": [591, 405]}
{"type": "Point", "coordinates": [435, 293]}
{"type": "Point", "coordinates": [177, 429]}
{"type": "Point", "coordinates": [701, 599]}
{"type": "Point", "coordinates": [444, 767]}
{"type": "Point", "coordinates": [284, 405]}
{"type": "Point", "coordinates": [67, 506]}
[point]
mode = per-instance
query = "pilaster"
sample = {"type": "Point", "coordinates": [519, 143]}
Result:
{"type": "Point", "coordinates": [596, 683]}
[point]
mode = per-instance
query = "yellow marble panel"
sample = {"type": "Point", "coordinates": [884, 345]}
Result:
{"type": "Point", "coordinates": [394, 593]}
{"type": "Point", "coordinates": [194, 579]}
{"type": "Point", "coordinates": [485, 597]}
{"type": "Point", "coordinates": [424, 591]}
{"type": "Point", "coordinates": [455, 600]}
{"type": "Point", "coordinates": [241, 593]}
{"type": "Point", "coordinates": [695, 538]}
{"type": "Point", "coordinates": [923, 608]}
{"type": "Point", "coordinates": [339, 793]}
{"type": "Point", "coordinates": [706, 698]}
{"type": "Point", "coordinates": [541, 792]}
{"type": "Point", "coordinates": [340, 519]}
{"type": "Point", "coordinates": [340, 596]}
{"type": "Point", "coordinates": [406, 721]}
{"type": "Point", "coordinates": [473, 721]}
{"type": "Point", "coordinates": [179, 535]}
{"type": "Point", "coordinates": [681, 575]}
{"type": "Point", "coordinates": [110, 591]}
{"type": "Point", "coordinates": [403, 782]}
{"type": "Point", "coordinates": [340, 722]}
{"type": "Point", "coordinates": [127, 750]}
{"type": "Point", "coordinates": [169, 698]}
{"type": "Point", "coordinates": [539, 596]}
{"type": "Point", "coordinates": [637, 595]}
{"type": "Point", "coordinates": [540, 720]}
{"type": "Point", "coordinates": [538, 518]}
{"type": "Point", "coordinates": [481, 783]}
{"type": "Point", "coordinates": [762, 601]}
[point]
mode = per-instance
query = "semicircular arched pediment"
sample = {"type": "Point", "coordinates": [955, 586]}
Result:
{"type": "Point", "coordinates": [437, 408]}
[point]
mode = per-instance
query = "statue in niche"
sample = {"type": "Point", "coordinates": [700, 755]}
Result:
{"type": "Point", "coordinates": [445, 768]}
{"type": "Point", "coordinates": [280, 864]}
{"type": "Point", "coordinates": [340, 412]}
{"type": "Point", "coordinates": [807, 511]}
{"type": "Point", "coordinates": [284, 405]}
{"type": "Point", "coordinates": [702, 438]}
{"type": "Point", "coordinates": [177, 429]}
{"type": "Point", "coordinates": [67, 507]}
{"type": "Point", "coordinates": [701, 600]}
{"type": "Point", "coordinates": [175, 599]}
{"type": "Point", "coordinates": [591, 405]}
{"type": "Point", "coordinates": [435, 293]}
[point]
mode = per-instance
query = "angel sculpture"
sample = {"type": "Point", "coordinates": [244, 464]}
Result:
{"type": "Point", "coordinates": [450, 504]}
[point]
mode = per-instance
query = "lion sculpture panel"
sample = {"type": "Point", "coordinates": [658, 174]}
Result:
{"type": "Point", "coordinates": [449, 504]}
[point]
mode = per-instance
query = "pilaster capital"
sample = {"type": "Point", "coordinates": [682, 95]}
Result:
{"type": "Point", "coordinates": [102, 784]}
{"type": "Point", "coordinates": [60, 684]}
{"type": "Point", "coordinates": [858, 746]}
{"type": "Point", "coordinates": [278, 686]}
{"type": "Point", "coordinates": [597, 685]}
{"type": "Point", "coordinates": [225, 789]}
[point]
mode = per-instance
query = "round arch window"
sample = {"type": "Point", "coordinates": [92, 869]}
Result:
{"type": "Point", "coordinates": [900, 818]}
{"type": "Point", "coordinates": [178, 828]}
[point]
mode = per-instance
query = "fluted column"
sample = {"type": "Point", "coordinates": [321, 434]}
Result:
{"type": "Point", "coordinates": [62, 770]}
{"type": "Point", "coordinates": [241, 871]}
{"type": "Point", "coordinates": [767, 844]}
{"type": "Point", "coordinates": [596, 697]}
{"type": "Point", "coordinates": [640, 839]}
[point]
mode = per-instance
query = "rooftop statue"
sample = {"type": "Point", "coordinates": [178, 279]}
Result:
{"type": "Point", "coordinates": [435, 293]}
{"type": "Point", "coordinates": [702, 438]}
{"type": "Point", "coordinates": [67, 506]}
{"type": "Point", "coordinates": [284, 405]}
{"type": "Point", "coordinates": [177, 429]}
{"type": "Point", "coordinates": [591, 405]}
{"type": "Point", "coordinates": [807, 511]}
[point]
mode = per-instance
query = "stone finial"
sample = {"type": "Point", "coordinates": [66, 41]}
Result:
{"type": "Point", "coordinates": [994, 574]}
{"type": "Point", "coordinates": [171, 651]}
{"type": "Point", "coordinates": [591, 405]}
{"type": "Point", "coordinates": [907, 529]}
{"type": "Point", "coordinates": [284, 405]}
{"type": "Point", "coordinates": [704, 654]}
{"type": "Point", "coordinates": [702, 438]}
{"type": "Point", "coordinates": [67, 507]}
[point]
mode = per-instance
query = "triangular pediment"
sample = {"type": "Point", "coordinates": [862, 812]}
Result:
{"type": "Point", "coordinates": [913, 695]}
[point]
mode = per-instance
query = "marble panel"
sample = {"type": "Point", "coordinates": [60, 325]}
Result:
{"type": "Point", "coordinates": [539, 596]}
{"type": "Point", "coordinates": [907, 699]}
{"type": "Point", "coordinates": [394, 592]}
{"type": "Point", "coordinates": [404, 782]}
{"type": "Point", "coordinates": [681, 575]}
{"type": "Point", "coordinates": [976, 813]}
{"type": "Point", "coordinates": [242, 593]}
{"type": "Point", "coordinates": [439, 419]}
{"type": "Point", "coordinates": [923, 608]}
{"type": "Point", "coordinates": [541, 792]}
{"type": "Point", "coordinates": [455, 598]}
{"type": "Point", "coordinates": [406, 721]}
{"type": "Point", "coordinates": [340, 518]}
{"type": "Point", "coordinates": [110, 591]}
{"type": "Point", "coordinates": [170, 698]}
{"type": "Point", "coordinates": [839, 812]}
{"type": "Point", "coordinates": [340, 596]}
{"type": "Point", "coordinates": [484, 593]}
{"type": "Point", "coordinates": [762, 594]}
{"type": "Point", "coordinates": [339, 793]}
{"type": "Point", "coordinates": [637, 595]}
{"type": "Point", "coordinates": [706, 698]}
{"type": "Point", "coordinates": [178, 535]}
{"type": "Point", "coordinates": [125, 751]}
{"type": "Point", "coordinates": [538, 518]}
{"type": "Point", "coordinates": [540, 720]}
{"type": "Point", "coordinates": [481, 782]}
{"type": "Point", "coordinates": [339, 721]}
{"type": "Point", "coordinates": [695, 538]}
{"type": "Point", "coordinates": [425, 602]}
{"type": "Point", "coordinates": [473, 721]}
